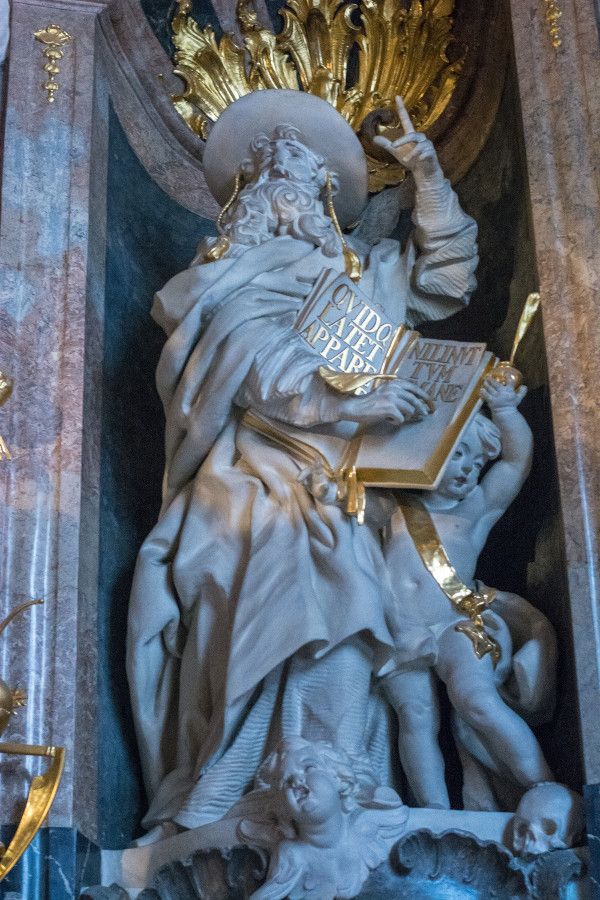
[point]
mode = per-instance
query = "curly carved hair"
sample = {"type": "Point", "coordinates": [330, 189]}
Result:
{"type": "Point", "coordinates": [352, 774]}
{"type": "Point", "coordinates": [267, 206]}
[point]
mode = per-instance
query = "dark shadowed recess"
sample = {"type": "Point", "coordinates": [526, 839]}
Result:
{"type": "Point", "coordinates": [525, 551]}
{"type": "Point", "coordinates": [150, 239]}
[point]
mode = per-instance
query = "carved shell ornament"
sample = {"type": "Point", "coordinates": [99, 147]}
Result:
{"type": "Point", "coordinates": [356, 56]}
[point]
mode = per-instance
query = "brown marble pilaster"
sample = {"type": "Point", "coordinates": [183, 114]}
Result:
{"type": "Point", "coordinates": [561, 115]}
{"type": "Point", "coordinates": [50, 254]}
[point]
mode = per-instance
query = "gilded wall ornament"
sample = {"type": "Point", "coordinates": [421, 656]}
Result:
{"type": "Point", "coordinates": [54, 38]}
{"type": "Point", "coordinates": [43, 788]}
{"type": "Point", "coordinates": [358, 57]}
{"type": "Point", "coordinates": [553, 14]}
{"type": "Point", "coordinates": [6, 387]}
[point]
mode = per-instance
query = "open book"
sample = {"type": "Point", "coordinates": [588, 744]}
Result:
{"type": "Point", "coordinates": [355, 335]}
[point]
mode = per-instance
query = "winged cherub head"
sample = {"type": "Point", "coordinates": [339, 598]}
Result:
{"type": "Point", "coordinates": [315, 783]}
{"type": "Point", "coordinates": [323, 819]}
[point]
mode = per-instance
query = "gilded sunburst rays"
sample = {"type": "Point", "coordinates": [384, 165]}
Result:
{"type": "Point", "coordinates": [400, 49]}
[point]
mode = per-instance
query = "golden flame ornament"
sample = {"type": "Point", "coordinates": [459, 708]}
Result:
{"type": "Point", "coordinates": [506, 372]}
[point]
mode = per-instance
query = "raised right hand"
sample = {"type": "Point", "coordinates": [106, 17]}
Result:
{"type": "Point", "coordinates": [393, 402]}
{"type": "Point", "coordinates": [413, 150]}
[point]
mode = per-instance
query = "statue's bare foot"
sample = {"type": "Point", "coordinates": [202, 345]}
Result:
{"type": "Point", "coordinates": [158, 833]}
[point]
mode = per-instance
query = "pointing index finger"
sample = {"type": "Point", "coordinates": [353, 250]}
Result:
{"type": "Point", "coordinates": [405, 119]}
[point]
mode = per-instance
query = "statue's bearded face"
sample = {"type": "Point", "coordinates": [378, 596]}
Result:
{"type": "Point", "coordinates": [284, 184]}
{"type": "Point", "coordinates": [291, 161]}
{"type": "Point", "coordinates": [284, 156]}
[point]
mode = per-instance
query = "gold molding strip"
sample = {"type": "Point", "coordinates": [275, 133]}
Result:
{"type": "Point", "coordinates": [553, 14]}
{"type": "Point", "coordinates": [6, 387]}
{"type": "Point", "coordinates": [54, 38]}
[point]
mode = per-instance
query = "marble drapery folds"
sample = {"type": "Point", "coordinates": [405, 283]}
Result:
{"type": "Point", "coordinates": [248, 589]}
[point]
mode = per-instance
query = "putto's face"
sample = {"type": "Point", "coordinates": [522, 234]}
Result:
{"type": "Point", "coordinates": [291, 160]}
{"type": "Point", "coordinates": [463, 470]}
{"type": "Point", "coordinates": [309, 790]}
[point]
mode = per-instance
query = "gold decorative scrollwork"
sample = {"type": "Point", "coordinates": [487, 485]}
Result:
{"type": "Point", "coordinates": [42, 792]}
{"type": "Point", "coordinates": [357, 57]}
{"type": "Point", "coordinates": [43, 788]}
{"type": "Point", "coordinates": [54, 38]}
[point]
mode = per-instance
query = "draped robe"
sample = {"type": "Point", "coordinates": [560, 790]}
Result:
{"type": "Point", "coordinates": [247, 580]}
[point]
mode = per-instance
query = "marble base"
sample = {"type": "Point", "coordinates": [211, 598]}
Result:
{"type": "Point", "coordinates": [55, 866]}
{"type": "Point", "coordinates": [451, 865]}
{"type": "Point", "coordinates": [136, 867]}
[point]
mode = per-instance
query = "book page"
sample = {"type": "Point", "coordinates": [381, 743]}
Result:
{"type": "Point", "coordinates": [351, 333]}
{"type": "Point", "coordinates": [414, 453]}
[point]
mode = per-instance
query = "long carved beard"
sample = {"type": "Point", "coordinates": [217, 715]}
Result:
{"type": "Point", "coordinates": [269, 207]}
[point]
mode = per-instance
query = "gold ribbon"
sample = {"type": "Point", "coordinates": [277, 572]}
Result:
{"type": "Point", "coordinates": [435, 559]}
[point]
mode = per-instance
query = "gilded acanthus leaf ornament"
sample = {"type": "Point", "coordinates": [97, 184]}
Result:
{"type": "Point", "coordinates": [357, 56]}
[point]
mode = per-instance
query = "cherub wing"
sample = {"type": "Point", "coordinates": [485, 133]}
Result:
{"type": "Point", "coordinates": [378, 826]}
{"type": "Point", "coordinates": [373, 832]}
{"type": "Point", "coordinates": [285, 871]}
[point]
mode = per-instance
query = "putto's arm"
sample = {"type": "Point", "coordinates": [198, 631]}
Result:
{"type": "Point", "coordinates": [505, 478]}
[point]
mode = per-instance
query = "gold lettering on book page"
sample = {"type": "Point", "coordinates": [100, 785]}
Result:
{"type": "Point", "coordinates": [350, 333]}
{"type": "Point", "coordinates": [435, 365]}
{"type": "Point", "coordinates": [360, 344]}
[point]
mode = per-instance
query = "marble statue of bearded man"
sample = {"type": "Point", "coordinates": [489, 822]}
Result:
{"type": "Point", "coordinates": [256, 608]}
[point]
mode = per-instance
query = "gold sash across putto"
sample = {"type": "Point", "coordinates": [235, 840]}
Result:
{"type": "Point", "coordinates": [472, 603]}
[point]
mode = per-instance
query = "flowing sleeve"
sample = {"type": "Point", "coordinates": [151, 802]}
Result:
{"type": "Point", "coordinates": [283, 382]}
{"type": "Point", "coordinates": [441, 255]}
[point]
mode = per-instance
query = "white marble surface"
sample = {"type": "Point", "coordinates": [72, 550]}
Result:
{"type": "Point", "coordinates": [135, 867]}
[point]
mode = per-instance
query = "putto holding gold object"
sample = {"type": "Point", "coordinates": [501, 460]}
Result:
{"type": "Point", "coordinates": [446, 624]}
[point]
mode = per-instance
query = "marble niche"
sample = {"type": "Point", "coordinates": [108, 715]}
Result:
{"type": "Point", "coordinates": [103, 200]}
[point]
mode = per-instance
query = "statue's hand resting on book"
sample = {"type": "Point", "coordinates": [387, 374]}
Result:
{"type": "Point", "coordinates": [413, 150]}
{"type": "Point", "coordinates": [395, 402]}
